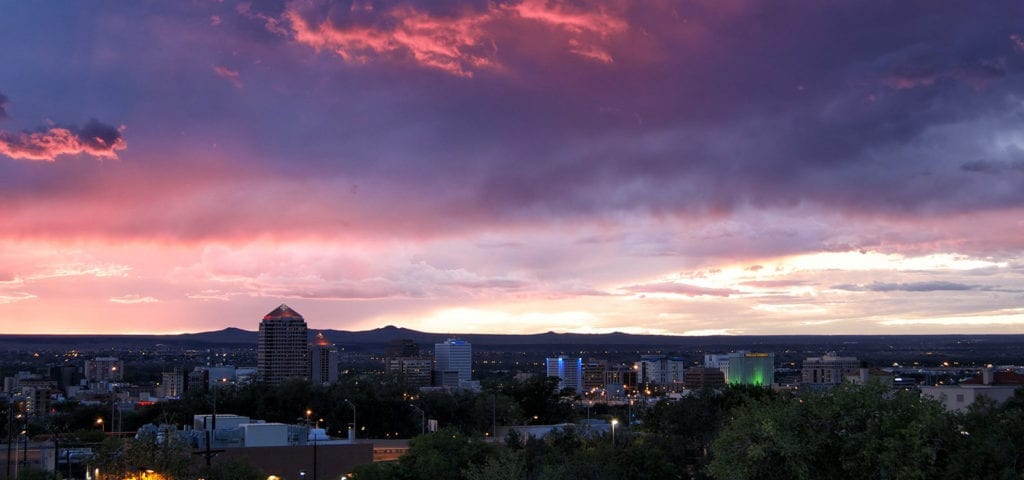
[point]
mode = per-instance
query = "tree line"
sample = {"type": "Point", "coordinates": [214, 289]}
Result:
{"type": "Point", "coordinates": [736, 433]}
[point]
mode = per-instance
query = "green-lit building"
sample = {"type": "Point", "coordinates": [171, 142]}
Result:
{"type": "Point", "coordinates": [752, 368]}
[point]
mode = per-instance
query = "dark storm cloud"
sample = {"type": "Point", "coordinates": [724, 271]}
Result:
{"type": "Point", "coordinates": [937, 286]}
{"type": "Point", "coordinates": [710, 108]}
{"type": "Point", "coordinates": [984, 166]}
{"type": "Point", "coordinates": [496, 112]}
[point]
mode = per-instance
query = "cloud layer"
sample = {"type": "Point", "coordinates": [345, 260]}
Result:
{"type": "Point", "coordinates": [93, 139]}
{"type": "Point", "coordinates": [693, 166]}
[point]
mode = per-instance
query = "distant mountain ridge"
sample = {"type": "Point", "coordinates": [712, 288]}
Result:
{"type": "Point", "coordinates": [375, 339]}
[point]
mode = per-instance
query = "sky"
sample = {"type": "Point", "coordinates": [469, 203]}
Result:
{"type": "Point", "coordinates": [684, 167]}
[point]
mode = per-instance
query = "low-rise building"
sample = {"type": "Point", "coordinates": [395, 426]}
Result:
{"type": "Point", "coordinates": [828, 370]}
{"type": "Point", "coordinates": [998, 386]}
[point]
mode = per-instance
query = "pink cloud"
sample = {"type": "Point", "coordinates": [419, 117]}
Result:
{"type": "Point", "coordinates": [459, 45]}
{"type": "Point", "coordinates": [94, 139]}
{"type": "Point", "coordinates": [1018, 42]}
{"type": "Point", "coordinates": [272, 24]}
{"type": "Point", "coordinates": [452, 45]}
{"type": "Point", "coordinates": [133, 299]}
{"type": "Point", "coordinates": [977, 75]}
{"type": "Point", "coordinates": [560, 15]}
{"type": "Point", "coordinates": [229, 74]}
{"type": "Point", "coordinates": [681, 289]}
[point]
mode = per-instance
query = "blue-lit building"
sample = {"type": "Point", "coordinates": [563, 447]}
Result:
{"type": "Point", "coordinates": [569, 372]}
{"type": "Point", "coordinates": [453, 363]}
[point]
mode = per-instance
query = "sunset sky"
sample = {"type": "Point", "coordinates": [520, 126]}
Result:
{"type": "Point", "coordinates": [659, 166]}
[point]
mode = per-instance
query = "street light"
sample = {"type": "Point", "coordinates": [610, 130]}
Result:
{"type": "Point", "coordinates": [313, 433]}
{"type": "Point", "coordinates": [354, 431]}
{"type": "Point", "coordinates": [615, 422]}
{"type": "Point", "coordinates": [423, 419]}
{"type": "Point", "coordinates": [99, 422]}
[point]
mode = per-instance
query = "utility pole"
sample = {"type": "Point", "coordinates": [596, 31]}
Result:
{"type": "Point", "coordinates": [355, 431]}
{"type": "Point", "coordinates": [208, 452]}
{"type": "Point", "coordinates": [10, 430]}
{"type": "Point", "coordinates": [423, 418]}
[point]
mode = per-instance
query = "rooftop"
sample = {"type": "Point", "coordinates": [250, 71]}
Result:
{"type": "Point", "coordinates": [282, 312]}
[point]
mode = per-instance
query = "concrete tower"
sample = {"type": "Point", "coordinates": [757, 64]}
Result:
{"type": "Point", "coordinates": [282, 352]}
{"type": "Point", "coordinates": [324, 361]}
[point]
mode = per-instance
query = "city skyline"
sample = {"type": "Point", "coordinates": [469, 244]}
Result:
{"type": "Point", "coordinates": [522, 166]}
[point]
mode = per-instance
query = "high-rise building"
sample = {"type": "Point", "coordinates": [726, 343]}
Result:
{"type": "Point", "coordinates": [403, 347]}
{"type": "Point", "coordinates": [650, 369]}
{"type": "Point", "coordinates": [323, 358]}
{"type": "Point", "coordinates": [675, 373]}
{"type": "Point", "coordinates": [104, 369]}
{"type": "Point", "coordinates": [453, 362]}
{"type": "Point", "coordinates": [751, 368]}
{"type": "Point", "coordinates": [413, 372]}
{"type": "Point", "coordinates": [173, 384]}
{"type": "Point", "coordinates": [719, 361]}
{"type": "Point", "coordinates": [828, 369]}
{"type": "Point", "coordinates": [625, 376]}
{"type": "Point", "coordinates": [697, 378]}
{"type": "Point", "coordinates": [402, 359]}
{"type": "Point", "coordinates": [282, 351]}
{"type": "Point", "coordinates": [569, 372]}
{"type": "Point", "coordinates": [593, 374]}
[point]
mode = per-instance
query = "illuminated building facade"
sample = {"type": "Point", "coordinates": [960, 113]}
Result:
{"type": "Point", "coordinates": [569, 372]}
{"type": "Point", "coordinates": [323, 358]}
{"type": "Point", "coordinates": [594, 374]}
{"type": "Point", "coordinates": [752, 368]}
{"type": "Point", "coordinates": [282, 352]}
{"type": "Point", "coordinates": [453, 362]}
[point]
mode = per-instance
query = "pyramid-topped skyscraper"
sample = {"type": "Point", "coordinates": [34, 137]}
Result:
{"type": "Point", "coordinates": [282, 350]}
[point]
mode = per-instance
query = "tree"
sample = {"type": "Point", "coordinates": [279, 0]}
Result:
{"type": "Point", "coordinates": [539, 400]}
{"type": "Point", "coordinates": [854, 432]}
{"type": "Point", "coordinates": [505, 464]}
{"type": "Point", "coordinates": [446, 453]}
{"type": "Point", "coordinates": [991, 441]}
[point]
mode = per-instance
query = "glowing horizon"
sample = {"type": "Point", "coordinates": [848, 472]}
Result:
{"type": "Point", "coordinates": [678, 168]}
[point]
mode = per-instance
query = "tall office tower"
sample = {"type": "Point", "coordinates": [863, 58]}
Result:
{"type": "Point", "coordinates": [569, 372]}
{"type": "Point", "coordinates": [281, 352]}
{"type": "Point", "coordinates": [453, 362]}
{"type": "Point", "coordinates": [748, 368]}
{"type": "Point", "coordinates": [324, 361]}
